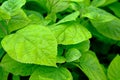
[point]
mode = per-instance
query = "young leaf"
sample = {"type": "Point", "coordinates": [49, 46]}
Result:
{"type": "Point", "coordinates": [17, 68]}
{"type": "Point", "coordinates": [70, 33]}
{"type": "Point", "coordinates": [90, 65]}
{"type": "Point", "coordinates": [114, 69]}
{"type": "Point", "coordinates": [33, 44]}
{"type": "Point", "coordinates": [72, 55]}
{"type": "Point", "coordinates": [72, 17]}
{"type": "Point", "coordinates": [51, 73]}
{"type": "Point", "coordinates": [104, 22]}
{"type": "Point", "coordinates": [12, 6]}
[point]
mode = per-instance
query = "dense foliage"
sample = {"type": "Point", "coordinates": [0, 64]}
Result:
{"type": "Point", "coordinates": [59, 40]}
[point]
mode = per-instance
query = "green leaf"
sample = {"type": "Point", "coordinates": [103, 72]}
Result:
{"type": "Point", "coordinates": [17, 68]}
{"type": "Point", "coordinates": [0, 44]}
{"type": "Point", "coordinates": [14, 77]}
{"type": "Point", "coordinates": [60, 50]}
{"type": "Point", "coordinates": [4, 14]}
{"type": "Point", "coordinates": [35, 17]}
{"type": "Point", "coordinates": [51, 73]}
{"type": "Point", "coordinates": [70, 33]}
{"type": "Point", "coordinates": [18, 21]}
{"type": "Point", "coordinates": [71, 17]}
{"type": "Point", "coordinates": [75, 75]}
{"type": "Point", "coordinates": [85, 2]}
{"type": "Point", "coordinates": [3, 73]}
{"type": "Point", "coordinates": [78, 5]}
{"type": "Point", "coordinates": [82, 46]}
{"type": "Point", "coordinates": [3, 28]}
{"type": "Point", "coordinates": [74, 6]}
{"type": "Point", "coordinates": [90, 65]}
{"type": "Point", "coordinates": [1, 1]}
{"type": "Point", "coordinates": [97, 14]}
{"type": "Point", "coordinates": [75, 0]}
{"type": "Point", "coordinates": [109, 2]}
{"type": "Point", "coordinates": [72, 55]}
{"type": "Point", "coordinates": [2, 52]}
{"type": "Point", "coordinates": [33, 44]}
{"type": "Point", "coordinates": [58, 5]}
{"type": "Point", "coordinates": [99, 36]}
{"type": "Point", "coordinates": [104, 22]}
{"type": "Point", "coordinates": [97, 3]}
{"type": "Point", "coordinates": [114, 69]}
{"type": "Point", "coordinates": [115, 8]}
{"type": "Point", "coordinates": [52, 17]}
{"type": "Point", "coordinates": [2, 34]}
{"type": "Point", "coordinates": [118, 44]}
{"type": "Point", "coordinates": [61, 59]}
{"type": "Point", "coordinates": [32, 12]}
{"type": "Point", "coordinates": [52, 5]}
{"type": "Point", "coordinates": [12, 6]}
